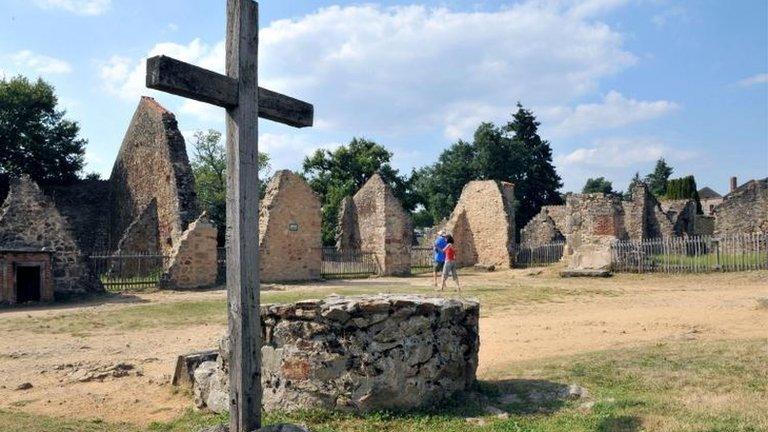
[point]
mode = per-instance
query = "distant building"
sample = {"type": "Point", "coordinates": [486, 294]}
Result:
{"type": "Point", "coordinates": [709, 200]}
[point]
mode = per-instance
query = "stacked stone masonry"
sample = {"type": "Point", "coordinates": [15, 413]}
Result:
{"type": "Point", "coordinates": [376, 222]}
{"type": "Point", "coordinates": [290, 240]}
{"type": "Point", "coordinates": [483, 224]}
{"type": "Point", "coordinates": [152, 165]}
{"type": "Point", "coordinates": [193, 261]}
{"type": "Point", "coordinates": [30, 220]}
{"type": "Point", "coordinates": [357, 354]}
{"type": "Point", "coordinates": [744, 210]}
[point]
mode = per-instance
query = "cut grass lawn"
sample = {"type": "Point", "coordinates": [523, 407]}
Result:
{"type": "Point", "coordinates": [680, 386]}
{"type": "Point", "coordinates": [179, 314]}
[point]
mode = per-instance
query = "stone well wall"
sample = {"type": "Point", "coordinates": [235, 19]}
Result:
{"type": "Point", "coordinates": [483, 224]}
{"type": "Point", "coordinates": [290, 239]}
{"type": "Point", "coordinates": [357, 354]}
{"type": "Point", "coordinates": [152, 165]}
{"type": "Point", "coordinates": [744, 211]}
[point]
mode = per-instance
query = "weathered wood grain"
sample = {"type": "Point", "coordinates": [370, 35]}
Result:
{"type": "Point", "coordinates": [183, 79]}
{"type": "Point", "coordinates": [243, 218]}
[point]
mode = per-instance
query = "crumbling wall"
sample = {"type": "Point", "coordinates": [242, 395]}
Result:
{"type": "Point", "coordinates": [593, 222]}
{"type": "Point", "coordinates": [483, 224]}
{"type": "Point", "coordinates": [290, 240]}
{"type": "Point", "coordinates": [543, 228]}
{"type": "Point", "coordinates": [744, 210]}
{"type": "Point", "coordinates": [142, 235]}
{"type": "Point", "coordinates": [383, 227]}
{"type": "Point", "coordinates": [193, 262]}
{"type": "Point", "coordinates": [682, 215]}
{"type": "Point", "coordinates": [644, 217]}
{"type": "Point", "coordinates": [152, 165]}
{"type": "Point", "coordinates": [84, 205]}
{"type": "Point", "coordinates": [348, 233]}
{"type": "Point", "coordinates": [30, 219]}
{"type": "Point", "coordinates": [357, 354]}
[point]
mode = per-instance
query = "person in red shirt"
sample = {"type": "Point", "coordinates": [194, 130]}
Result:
{"type": "Point", "coordinates": [450, 263]}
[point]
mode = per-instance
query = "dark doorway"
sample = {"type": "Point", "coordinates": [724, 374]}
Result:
{"type": "Point", "coordinates": [27, 284]}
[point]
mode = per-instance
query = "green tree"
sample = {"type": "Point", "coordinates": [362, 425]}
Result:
{"type": "Point", "coordinates": [35, 138]}
{"type": "Point", "coordinates": [539, 183]}
{"type": "Point", "coordinates": [599, 184]}
{"type": "Point", "coordinates": [514, 153]}
{"type": "Point", "coordinates": [657, 180]}
{"type": "Point", "coordinates": [335, 174]}
{"type": "Point", "coordinates": [209, 166]}
{"type": "Point", "coordinates": [684, 188]}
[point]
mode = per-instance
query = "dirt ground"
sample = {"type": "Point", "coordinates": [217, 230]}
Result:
{"type": "Point", "coordinates": [124, 375]}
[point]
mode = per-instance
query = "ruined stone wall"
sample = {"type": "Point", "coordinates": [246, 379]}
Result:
{"type": "Point", "coordinates": [152, 165]}
{"type": "Point", "coordinates": [593, 222]}
{"type": "Point", "coordinates": [290, 240]}
{"type": "Point", "coordinates": [348, 234]}
{"type": "Point", "coordinates": [84, 205]}
{"type": "Point", "coordinates": [682, 214]}
{"type": "Point", "coordinates": [644, 216]}
{"type": "Point", "coordinates": [744, 210]}
{"type": "Point", "coordinates": [483, 224]}
{"type": "Point", "coordinates": [384, 227]}
{"type": "Point", "coordinates": [193, 261]}
{"type": "Point", "coordinates": [30, 219]}
{"type": "Point", "coordinates": [357, 354]}
{"type": "Point", "coordinates": [543, 229]}
{"type": "Point", "coordinates": [142, 236]}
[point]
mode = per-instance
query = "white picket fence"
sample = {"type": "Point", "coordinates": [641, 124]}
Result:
{"type": "Point", "coordinates": [692, 254]}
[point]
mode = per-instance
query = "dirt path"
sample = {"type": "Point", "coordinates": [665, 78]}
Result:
{"type": "Point", "coordinates": [125, 375]}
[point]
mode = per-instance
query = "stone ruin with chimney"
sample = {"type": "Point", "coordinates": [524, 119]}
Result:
{"type": "Point", "coordinates": [373, 220]}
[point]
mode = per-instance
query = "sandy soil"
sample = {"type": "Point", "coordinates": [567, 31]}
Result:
{"type": "Point", "coordinates": [75, 376]}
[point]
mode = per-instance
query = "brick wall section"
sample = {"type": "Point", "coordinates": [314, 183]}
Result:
{"type": "Point", "coordinates": [142, 236]}
{"type": "Point", "coordinates": [290, 239]}
{"type": "Point", "coordinates": [745, 210]}
{"type": "Point", "coordinates": [483, 224]}
{"type": "Point", "coordinates": [383, 226]}
{"type": "Point", "coordinates": [593, 222]}
{"type": "Point", "coordinates": [193, 262]}
{"type": "Point", "coordinates": [7, 284]}
{"type": "Point", "coordinates": [30, 219]}
{"type": "Point", "coordinates": [152, 164]}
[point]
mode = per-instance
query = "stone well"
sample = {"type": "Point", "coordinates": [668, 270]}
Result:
{"type": "Point", "coordinates": [358, 354]}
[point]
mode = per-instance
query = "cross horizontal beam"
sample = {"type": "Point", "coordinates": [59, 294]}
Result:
{"type": "Point", "coordinates": [183, 79]}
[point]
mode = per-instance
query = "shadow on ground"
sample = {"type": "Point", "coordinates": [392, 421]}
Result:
{"type": "Point", "coordinates": [79, 301]}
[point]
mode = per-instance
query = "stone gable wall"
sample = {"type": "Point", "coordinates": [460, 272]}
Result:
{"type": "Point", "coordinates": [383, 226]}
{"type": "Point", "coordinates": [142, 235]}
{"type": "Point", "coordinates": [744, 211]}
{"type": "Point", "coordinates": [483, 224]}
{"type": "Point", "coordinates": [357, 354]}
{"type": "Point", "coordinates": [152, 164]}
{"type": "Point", "coordinates": [193, 261]}
{"type": "Point", "coordinates": [30, 219]}
{"type": "Point", "coordinates": [290, 239]}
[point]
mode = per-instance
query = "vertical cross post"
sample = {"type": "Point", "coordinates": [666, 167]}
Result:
{"type": "Point", "coordinates": [242, 47]}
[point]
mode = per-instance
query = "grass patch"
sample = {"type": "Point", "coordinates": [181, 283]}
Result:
{"type": "Point", "coordinates": [682, 386]}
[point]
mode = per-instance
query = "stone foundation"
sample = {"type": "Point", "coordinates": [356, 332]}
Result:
{"type": "Point", "coordinates": [357, 354]}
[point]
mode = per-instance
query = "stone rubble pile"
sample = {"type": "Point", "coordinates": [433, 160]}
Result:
{"type": "Point", "coordinates": [357, 353]}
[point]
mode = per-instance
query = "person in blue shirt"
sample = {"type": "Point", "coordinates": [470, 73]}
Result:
{"type": "Point", "coordinates": [439, 246]}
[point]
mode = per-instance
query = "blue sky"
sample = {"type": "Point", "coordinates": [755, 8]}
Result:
{"type": "Point", "coordinates": [615, 83]}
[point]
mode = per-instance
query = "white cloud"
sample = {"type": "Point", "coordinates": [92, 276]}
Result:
{"type": "Point", "coordinates": [754, 80]}
{"type": "Point", "coordinates": [29, 61]}
{"type": "Point", "coordinates": [395, 69]}
{"type": "Point", "coordinates": [622, 153]}
{"type": "Point", "coordinates": [79, 7]}
{"type": "Point", "coordinates": [614, 111]}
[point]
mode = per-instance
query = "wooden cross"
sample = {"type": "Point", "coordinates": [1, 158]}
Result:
{"type": "Point", "coordinates": [239, 93]}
